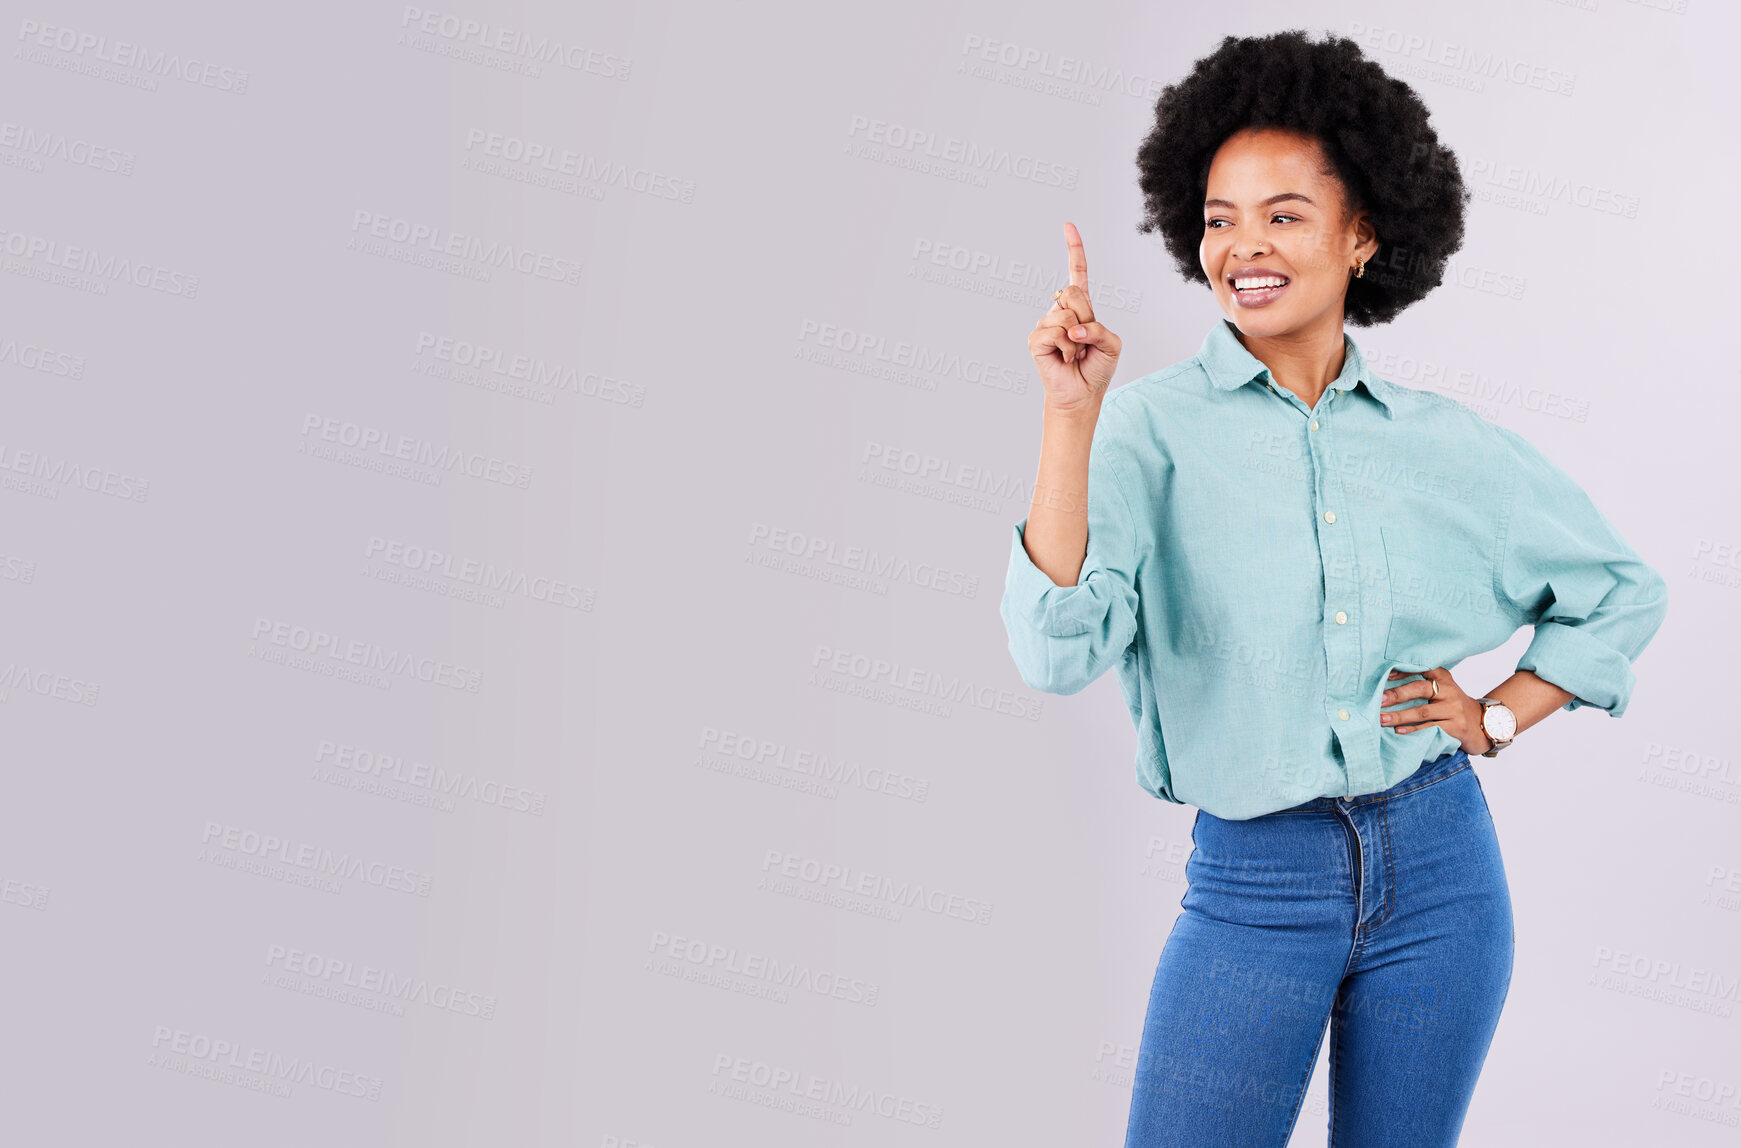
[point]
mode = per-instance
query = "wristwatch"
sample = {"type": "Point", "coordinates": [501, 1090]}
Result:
{"type": "Point", "coordinates": [1498, 723]}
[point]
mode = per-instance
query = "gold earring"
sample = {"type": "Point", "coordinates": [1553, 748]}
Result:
{"type": "Point", "coordinates": [1359, 268]}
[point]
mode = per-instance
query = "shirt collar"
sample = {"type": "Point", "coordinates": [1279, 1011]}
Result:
{"type": "Point", "coordinates": [1230, 366]}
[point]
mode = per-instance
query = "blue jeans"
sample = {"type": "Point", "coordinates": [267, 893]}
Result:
{"type": "Point", "coordinates": [1383, 919]}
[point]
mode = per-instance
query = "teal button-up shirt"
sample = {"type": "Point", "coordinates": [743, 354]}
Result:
{"type": "Point", "coordinates": [1256, 567]}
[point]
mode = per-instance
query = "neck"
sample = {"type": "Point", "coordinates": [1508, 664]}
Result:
{"type": "Point", "coordinates": [1305, 361]}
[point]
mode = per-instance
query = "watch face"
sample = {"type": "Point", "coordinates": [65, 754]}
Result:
{"type": "Point", "coordinates": [1499, 722]}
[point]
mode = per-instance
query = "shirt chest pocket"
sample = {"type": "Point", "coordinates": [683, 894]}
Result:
{"type": "Point", "coordinates": [1440, 585]}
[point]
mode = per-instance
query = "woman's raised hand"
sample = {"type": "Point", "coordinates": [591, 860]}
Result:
{"type": "Point", "coordinates": [1075, 355]}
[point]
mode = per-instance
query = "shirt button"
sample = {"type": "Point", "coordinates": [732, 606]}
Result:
{"type": "Point", "coordinates": [1329, 516]}
{"type": "Point", "coordinates": [1343, 714]}
{"type": "Point", "coordinates": [1313, 425]}
{"type": "Point", "coordinates": [1341, 617]}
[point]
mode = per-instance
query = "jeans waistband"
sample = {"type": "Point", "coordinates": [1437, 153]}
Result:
{"type": "Point", "coordinates": [1430, 771]}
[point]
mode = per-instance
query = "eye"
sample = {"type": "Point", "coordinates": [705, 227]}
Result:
{"type": "Point", "coordinates": [1209, 225]}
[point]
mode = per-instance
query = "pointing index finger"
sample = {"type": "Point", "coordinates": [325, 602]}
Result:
{"type": "Point", "coordinates": [1078, 257]}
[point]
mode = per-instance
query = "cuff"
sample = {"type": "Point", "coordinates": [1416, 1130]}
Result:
{"type": "Point", "coordinates": [1054, 610]}
{"type": "Point", "coordinates": [1598, 675]}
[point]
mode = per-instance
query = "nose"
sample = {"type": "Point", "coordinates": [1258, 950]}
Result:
{"type": "Point", "coordinates": [1247, 249]}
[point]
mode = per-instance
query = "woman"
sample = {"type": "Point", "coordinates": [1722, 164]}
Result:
{"type": "Point", "coordinates": [1285, 555]}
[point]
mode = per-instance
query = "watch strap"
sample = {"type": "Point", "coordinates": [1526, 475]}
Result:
{"type": "Point", "coordinates": [1495, 744]}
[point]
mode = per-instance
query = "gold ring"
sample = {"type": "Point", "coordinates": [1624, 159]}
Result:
{"type": "Point", "coordinates": [1057, 293]}
{"type": "Point", "coordinates": [1435, 682]}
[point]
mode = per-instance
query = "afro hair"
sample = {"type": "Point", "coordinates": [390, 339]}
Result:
{"type": "Point", "coordinates": [1374, 132]}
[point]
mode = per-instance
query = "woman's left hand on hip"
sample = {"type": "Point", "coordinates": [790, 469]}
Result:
{"type": "Point", "coordinates": [1453, 711]}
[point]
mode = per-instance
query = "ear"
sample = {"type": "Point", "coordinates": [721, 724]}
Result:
{"type": "Point", "coordinates": [1365, 237]}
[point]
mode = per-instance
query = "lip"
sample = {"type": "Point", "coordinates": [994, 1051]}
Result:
{"type": "Point", "coordinates": [1257, 298]}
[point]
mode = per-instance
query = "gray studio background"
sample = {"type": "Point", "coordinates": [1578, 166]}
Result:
{"type": "Point", "coordinates": [502, 516]}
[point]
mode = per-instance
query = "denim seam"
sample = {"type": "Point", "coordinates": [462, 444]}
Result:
{"type": "Point", "coordinates": [1389, 874]}
{"type": "Point", "coordinates": [1355, 946]}
{"type": "Point", "coordinates": [1355, 950]}
{"type": "Point", "coordinates": [1306, 1081]}
{"type": "Point", "coordinates": [1406, 792]}
{"type": "Point", "coordinates": [1333, 803]}
{"type": "Point", "coordinates": [1335, 1077]}
{"type": "Point", "coordinates": [1356, 862]}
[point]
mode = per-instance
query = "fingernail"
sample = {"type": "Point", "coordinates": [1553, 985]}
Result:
{"type": "Point", "coordinates": [1078, 332]}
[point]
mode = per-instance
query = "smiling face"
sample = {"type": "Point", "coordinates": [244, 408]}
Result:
{"type": "Point", "coordinates": [1272, 212]}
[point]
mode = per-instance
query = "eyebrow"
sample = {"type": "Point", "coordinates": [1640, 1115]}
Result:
{"type": "Point", "coordinates": [1265, 203]}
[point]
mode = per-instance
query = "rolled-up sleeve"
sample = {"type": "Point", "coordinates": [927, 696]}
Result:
{"type": "Point", "coordinates": [1594, 602]}
{"type": "Point", "coordinates": [1064, 637]}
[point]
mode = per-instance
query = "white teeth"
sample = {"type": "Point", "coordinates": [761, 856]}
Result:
{"type": "Point", "coordinates": [1256, 284]}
